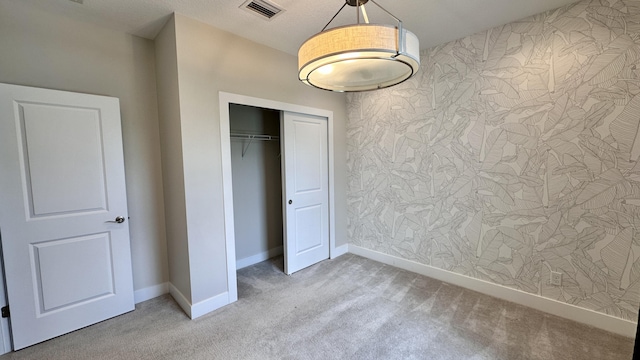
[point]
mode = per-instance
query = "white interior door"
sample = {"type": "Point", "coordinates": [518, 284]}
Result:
{"type": "Point", "coordinates": [67, 260]}
{"type": "Point", "coordinates": [305, 173]}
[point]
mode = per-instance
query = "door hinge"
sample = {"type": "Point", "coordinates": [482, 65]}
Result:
{"type": "Point", "coordinates": [5, 311]}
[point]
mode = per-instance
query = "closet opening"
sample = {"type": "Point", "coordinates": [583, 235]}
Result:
{"type": "Point", "coordinates": [289, 209]}
{"type": "Point", "coordinates": [254, 134]}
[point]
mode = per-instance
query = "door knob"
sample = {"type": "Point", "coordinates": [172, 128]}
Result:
{"type": "Point", "coordinates": [118, 220]}
{"type": "Point", "coordinates": [290, 202]}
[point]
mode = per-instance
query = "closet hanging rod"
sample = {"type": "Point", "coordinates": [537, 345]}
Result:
{"type": "Point", "coordinates": [254, 136]}
{"type": "Point", "coordinates": [251, 137]}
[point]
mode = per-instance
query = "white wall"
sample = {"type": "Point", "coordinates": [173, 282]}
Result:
{"type": "Point", "coordinates": [257, 184]}
{"type": "Point", "coordinates": [209, 61]}
{"type": "Point", "coordinates": [53, 51]}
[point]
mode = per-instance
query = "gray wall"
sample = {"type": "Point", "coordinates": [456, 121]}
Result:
{"type": "Point", "coordinates": [257, 182]}
{"type": "Point", "coordinates": [171, 150]}
{"type": "Point", "coordinates": [42, 49]}
{"type": "Point", "coordinates": [512, 153]}
{"type": "Point", "coordinates": [209, 61]}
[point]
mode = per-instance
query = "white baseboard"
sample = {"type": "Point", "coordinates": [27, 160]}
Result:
{"type": "Point", "coordinates": [200, 308]}
{"type": "Point", "coordinates": [180, 299]}
{"type": "Point", "coordinates": [252, 260]}
{"type": "Point", "coordinates": [150, 292]}
{"type": "Point", "coordinates": [206, 306]}
{"type": "Point", "coordinates": [340, 250]}
{"type": "Point", "coordinates": [554, 307]}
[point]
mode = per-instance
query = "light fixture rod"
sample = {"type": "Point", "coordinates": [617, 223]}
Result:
{"type": "Point", "coordinates": [364, 14]}
{"type": "Point", "coordinates": [334, 16]}
{"type": "Point", "coordinates": [401, 45]}
{"type": "Point", "coordinates": [401, 42]}
{"type": "Point", "coordinates": [385, 10]}
{"type": "Point", "coordinates": [357, 6]}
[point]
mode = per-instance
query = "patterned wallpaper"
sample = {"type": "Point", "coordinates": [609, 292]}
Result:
{"type": "Point", "coordinates": [512, 153]}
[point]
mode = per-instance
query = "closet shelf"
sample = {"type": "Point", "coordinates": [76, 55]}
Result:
{"type": "Point", "coordinates": [254, 137]}
{"type": "Point", "coordinates": [251, 137]}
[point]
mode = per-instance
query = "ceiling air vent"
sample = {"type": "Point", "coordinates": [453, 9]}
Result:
{"type": "Point", "coordinates": [263, 8]}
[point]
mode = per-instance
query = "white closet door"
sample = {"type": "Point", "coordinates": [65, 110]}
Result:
{"type": "Point", "coordinates": [63, 211]}
{"type": "Point", "coordinates": [305, 173]}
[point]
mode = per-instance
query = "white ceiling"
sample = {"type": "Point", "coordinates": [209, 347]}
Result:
{"type": "Point", "coordinates": [434, 21]}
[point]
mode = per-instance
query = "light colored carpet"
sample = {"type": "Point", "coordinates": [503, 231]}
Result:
{"type": "Point", "coordinates": [347, 308]}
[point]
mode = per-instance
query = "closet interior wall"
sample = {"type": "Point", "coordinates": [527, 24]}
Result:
{"type": "Point", "coordinates": [257, 184]}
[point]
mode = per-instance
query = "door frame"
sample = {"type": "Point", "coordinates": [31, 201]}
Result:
{"type": "Point", "coordinates": [225, 99]}
{"type": "Point", "coordinates": [6, 344]}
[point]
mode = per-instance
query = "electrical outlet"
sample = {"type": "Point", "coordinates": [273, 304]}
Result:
{"type": "Point", "coordinates": [556, 278]}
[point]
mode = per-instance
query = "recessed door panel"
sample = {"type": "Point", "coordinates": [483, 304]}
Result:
{"type": "Point", "coordinates": [72, 271]}
{"type": "Point", "coordinates": [62, 157]}
{"type": "Point", "coordinates": [307, 137]}
{"type": "Point", "coordinates": [309, 232]}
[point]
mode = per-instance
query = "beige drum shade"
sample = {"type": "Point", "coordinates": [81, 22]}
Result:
{"type": "Point", "coordinates": [359, 58]}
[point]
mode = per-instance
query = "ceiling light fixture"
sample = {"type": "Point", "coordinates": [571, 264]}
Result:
{"type": "Point", "coordinates": [359, 57]}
